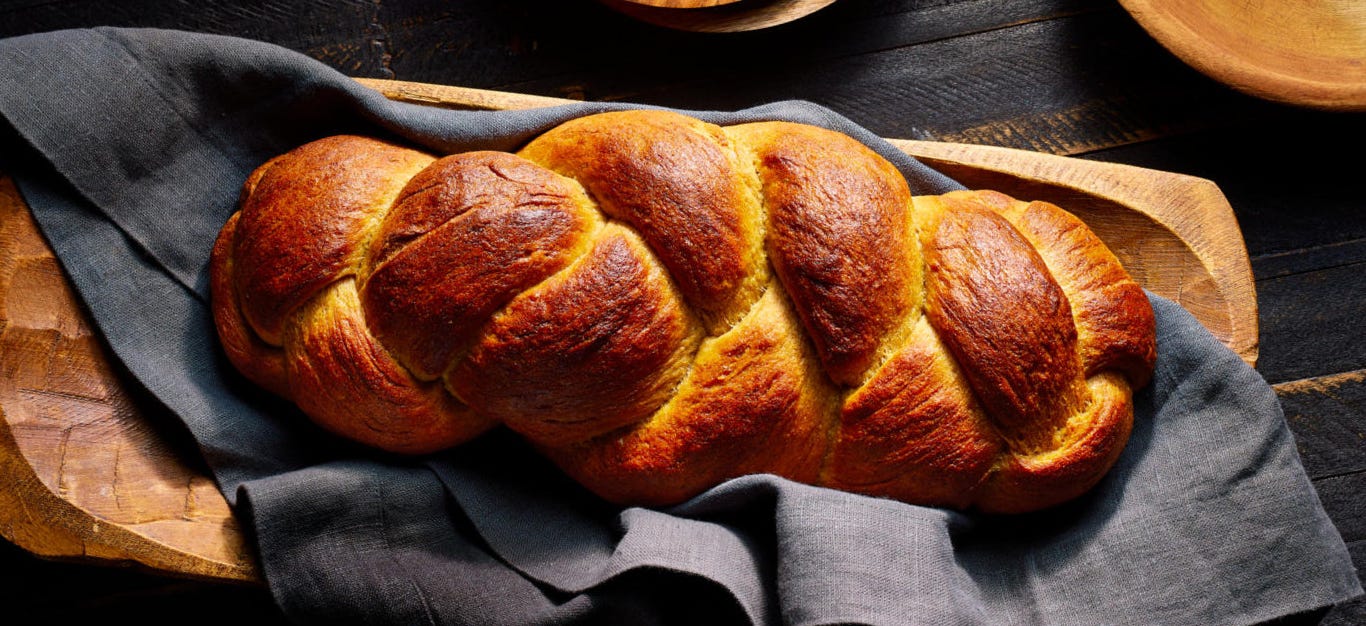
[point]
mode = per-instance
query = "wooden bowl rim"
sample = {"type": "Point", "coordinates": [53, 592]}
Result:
{"type": "Point", "coordinates": [729, 17]}
{"type": "Point", "coordinates": [683, 4]}
{"type": "Point", "coordinates": [1324, 79]}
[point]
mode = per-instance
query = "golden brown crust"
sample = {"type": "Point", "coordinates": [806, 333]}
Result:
{"type": "Point", "coordinates": [259, 361]}
{"type": "Point", "coordinates": [599, 346]}
{"type": "Point", "coordinates": [1003, 318]}
{"type": "Point", "coordinates": [1084, 453]}
{"type": "Point", "coordinates": [306, 221]}
{"type": "Point", "coordinates": [467, 235]}
{"type": "Point", "coordinates": [678, 182]}
{"type": "Point", "coordinates": [1114, 321]}
{"type": "Point", "coordinates": [838, 229]}
{"type": "Point", "coordinates": [607, 294]}
{"type": "Point", "coordinates": [349, 384]}
{"type": "Point", "coordinates": [755, 401]}
{"type": "Point", "coordinates": [914, 432]}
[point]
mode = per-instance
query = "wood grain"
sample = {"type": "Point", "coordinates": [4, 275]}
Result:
{"type": "Point", "coordinates": [96, 478]}
{"type": "Point", "coordinates": [88, 474]}
{"type": "Point", "coordinates": [949, 72]}
{"type": "Point", "coordinates": [683, 4]}
{"type": "Point", "coordinates": [1303, 52]}
{"type": "Point", "coordinates": [717, 16]}
{"type": "Point", "coordinates": [1328, 415]}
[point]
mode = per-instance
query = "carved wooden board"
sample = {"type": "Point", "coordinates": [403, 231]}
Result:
{"type": "Point", "coordinates": [89, 476]}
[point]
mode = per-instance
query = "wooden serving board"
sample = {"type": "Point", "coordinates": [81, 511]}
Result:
{"type": "Point", "coordinates": [88, 475]}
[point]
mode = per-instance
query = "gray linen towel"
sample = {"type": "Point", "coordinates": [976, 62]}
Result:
{"type": "Point", "coordinates": [130, 147]}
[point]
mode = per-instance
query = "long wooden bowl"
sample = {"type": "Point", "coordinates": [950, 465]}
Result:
{"type": "Point", "coordinates": [89, 475]}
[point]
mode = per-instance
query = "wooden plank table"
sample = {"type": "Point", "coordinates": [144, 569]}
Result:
{"type": "Point", "coordinates": [1077, 78]}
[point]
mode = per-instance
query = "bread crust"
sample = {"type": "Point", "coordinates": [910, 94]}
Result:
{"type": "Point", "coordinates": [659, 304]}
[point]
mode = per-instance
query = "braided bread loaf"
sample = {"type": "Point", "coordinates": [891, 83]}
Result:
{"type": "Point", "coordinates": [659, 304]}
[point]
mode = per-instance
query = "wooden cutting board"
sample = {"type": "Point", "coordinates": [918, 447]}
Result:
{"type": "Point", "coordinates": [88, 474]}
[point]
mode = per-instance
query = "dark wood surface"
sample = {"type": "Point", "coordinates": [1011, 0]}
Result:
{"type": "Point", "coordinates": [1074, 77]}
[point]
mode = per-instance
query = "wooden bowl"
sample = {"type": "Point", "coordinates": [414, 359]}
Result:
{"type": "Point", "coordinates": [1308, 53]}
{"type": "Point", "coordinates": [683, 4]}
{"type": "Point", "coordinates": [717, 16]}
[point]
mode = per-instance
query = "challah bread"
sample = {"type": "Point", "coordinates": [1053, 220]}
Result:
{"type": "Point", "coordinates": [659, 304]}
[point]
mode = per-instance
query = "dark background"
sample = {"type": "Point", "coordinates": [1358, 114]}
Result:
{"type": "Point", "coordinates": [1072, 77]}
